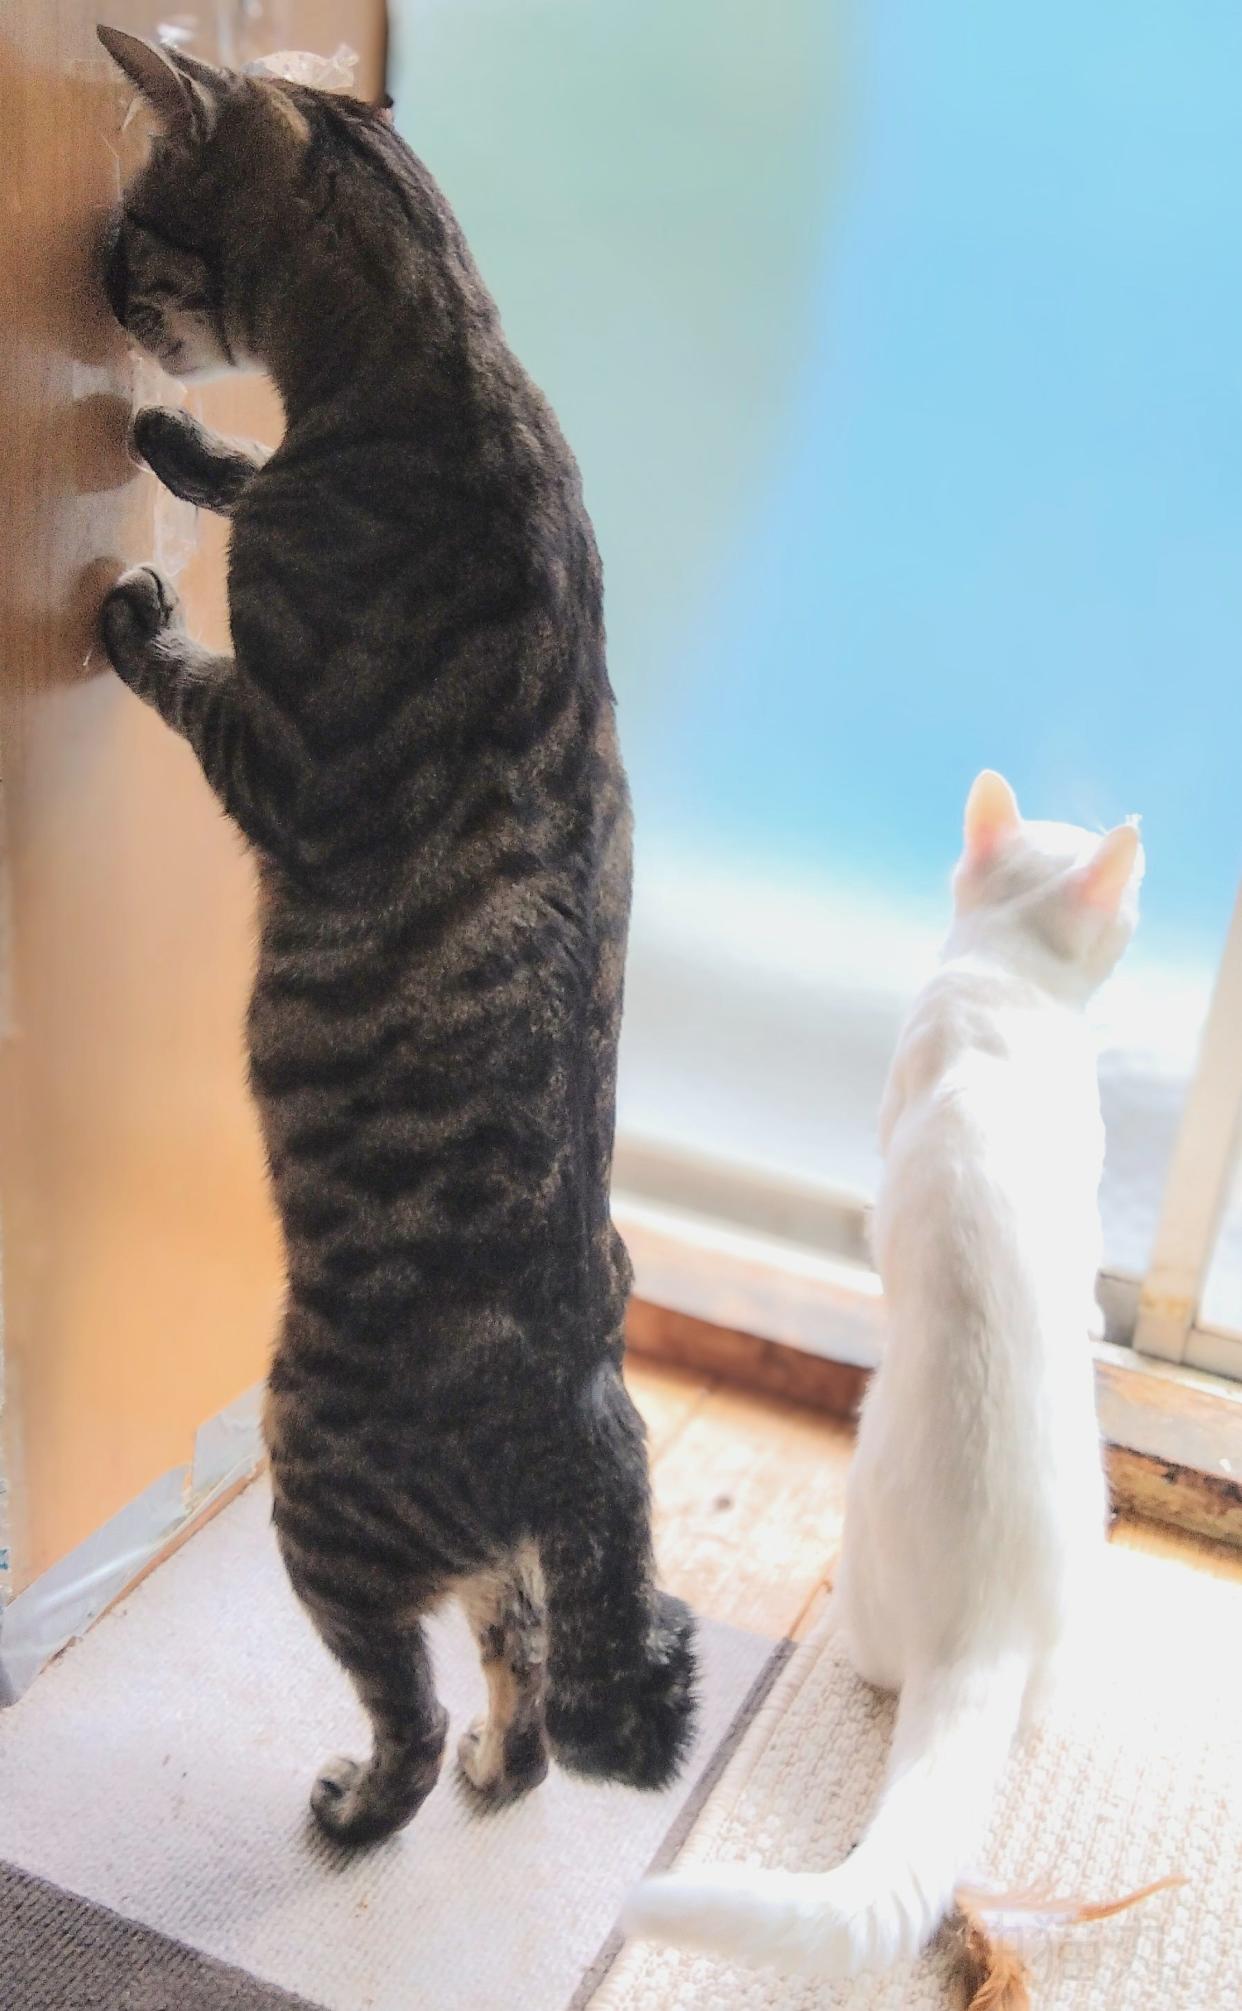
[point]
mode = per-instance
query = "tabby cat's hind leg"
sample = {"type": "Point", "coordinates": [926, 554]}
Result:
{"type": "Point", "coordinates": [621, 1662]}
{"type": "Point", "coordinates": [358, 1801]}
{"type": "Point", "coordinates": [384, 1651]}
{"type": "Point", "coordinates": [506, 1752]}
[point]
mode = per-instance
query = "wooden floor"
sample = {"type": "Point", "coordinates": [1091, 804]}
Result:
{"type": "Point", "coordinates": [750, 1493]}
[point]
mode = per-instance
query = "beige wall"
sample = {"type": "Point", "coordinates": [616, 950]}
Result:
{"type": "Point", "coordinates": [140, 1260]}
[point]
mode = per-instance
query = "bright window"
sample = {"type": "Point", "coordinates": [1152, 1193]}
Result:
{"type": "Point", "coordinates": [899, 349]}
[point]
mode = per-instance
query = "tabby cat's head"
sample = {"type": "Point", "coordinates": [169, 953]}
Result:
{"type": "Point", "coordinates": [1052, 887]}
{"type": "Point", "coordinates": [240, 171]}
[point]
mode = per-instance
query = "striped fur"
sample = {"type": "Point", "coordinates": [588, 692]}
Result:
{"type": "Point", "coordinates": [416, 734]}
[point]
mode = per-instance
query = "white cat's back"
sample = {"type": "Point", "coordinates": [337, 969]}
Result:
{"type": "Point", "coordinates": [978, 1436]}
{"type": "Point", "coordinates": [993, 1143]}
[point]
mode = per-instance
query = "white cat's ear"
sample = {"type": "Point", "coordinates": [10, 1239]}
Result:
{"type": "Point", "coordinates": [180, 90]}
{"type": "Point", "coordinates": [1102, 882]}
{"type": "Point", "coordinates": [992, 815]}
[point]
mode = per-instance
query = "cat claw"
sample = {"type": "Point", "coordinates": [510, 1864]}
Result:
{"type": "Point", "coordinates": [140, 605]}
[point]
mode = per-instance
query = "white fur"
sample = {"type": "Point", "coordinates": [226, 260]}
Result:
{"type": "Point", "coordinates": [976, 1502]}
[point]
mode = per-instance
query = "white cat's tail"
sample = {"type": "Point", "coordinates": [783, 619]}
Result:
{"type": "Point", "coordinates": [954, 1730]}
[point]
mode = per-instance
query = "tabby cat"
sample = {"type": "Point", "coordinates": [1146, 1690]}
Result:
{"type": "Point", "coordinates": [416, 736]}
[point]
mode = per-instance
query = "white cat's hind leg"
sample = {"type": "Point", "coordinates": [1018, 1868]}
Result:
{"type": "Point", "coordinates": [1046, 1680]}
{"type": "Point", "coordinates": [868, 1642]}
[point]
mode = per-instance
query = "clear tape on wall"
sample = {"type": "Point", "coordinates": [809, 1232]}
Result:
{"type": "Point", "coordinates": [234, 27]}
{"type": "Point", "coordinates": [75, 1591]}
{"type": "Point", "coordinates": [174, 524]}
{"type": "Point", "coordinates": [300, 66]}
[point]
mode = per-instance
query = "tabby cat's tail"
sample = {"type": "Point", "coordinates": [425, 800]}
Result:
{"type": "Point", "coordinates": [954, 1729]}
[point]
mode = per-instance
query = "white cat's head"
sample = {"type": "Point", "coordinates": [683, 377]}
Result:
{"type": "Point", "coordinates": [1069, 894]}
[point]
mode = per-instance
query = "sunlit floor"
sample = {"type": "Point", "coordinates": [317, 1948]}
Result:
{"type": "Point", "coordinates": [1134, 1774]}
{"type": "Point", "coordinates": [750, 1494]}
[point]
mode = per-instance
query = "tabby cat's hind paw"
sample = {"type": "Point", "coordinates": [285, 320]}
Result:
{"type": "Point", "coordinates": [498, 1771]}
{"type": "Point", "coordinates": [357, 1803]}
{"type": "Point", "coordinates": [336, 1801]}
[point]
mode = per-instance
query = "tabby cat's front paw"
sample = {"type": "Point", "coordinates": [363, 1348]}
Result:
{"type": "Point", "coordinates": [137, 611]}
{"type": "Point", "coordinates": [160, 434]}
{"type": "Point", "coordinates": [191, 460]}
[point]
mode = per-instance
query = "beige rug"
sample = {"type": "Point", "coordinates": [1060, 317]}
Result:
{"type": "Point", "coordinates": [159, 1769]}
{"type": "Point", "coordinates": [1138, 1772]}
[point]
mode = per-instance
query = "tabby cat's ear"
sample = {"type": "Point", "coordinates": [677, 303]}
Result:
{"type": "Point", "coordinates": [183, 92]}
{"type": "Point", "coordinates": [1102, 882]}
{"type": "Point", "coordinates": [992, 814]}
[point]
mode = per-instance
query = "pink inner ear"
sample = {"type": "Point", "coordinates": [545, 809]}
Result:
{"type": "Point", "coordinates": [1105, 878]}
{"type": "Point", "coordinates": [991, 815]}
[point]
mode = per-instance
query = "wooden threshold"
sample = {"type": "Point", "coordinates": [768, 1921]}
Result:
{"type": "Point", "coordinates": [204, 1511]}
{"type": "Point", "coordinates": [771, 1367]}
{"type": "Point", "coordinates": [1173, 1437]}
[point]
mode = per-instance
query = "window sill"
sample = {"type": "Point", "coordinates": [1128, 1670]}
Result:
{"type": "Point", "coordinates": [805, 1322]}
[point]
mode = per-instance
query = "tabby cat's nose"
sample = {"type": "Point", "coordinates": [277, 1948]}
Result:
{"type": "Point", "coordinates": [116, 271]}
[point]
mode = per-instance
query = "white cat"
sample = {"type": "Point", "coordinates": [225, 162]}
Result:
{"type": "Point", "coordinates": [976, 1505]}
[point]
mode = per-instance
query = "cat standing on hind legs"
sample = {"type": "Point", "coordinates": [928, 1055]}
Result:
{"type": "Point", "coordinates": [976, 1504]}
{"type": "Point", "coordinates": [415, 732]}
